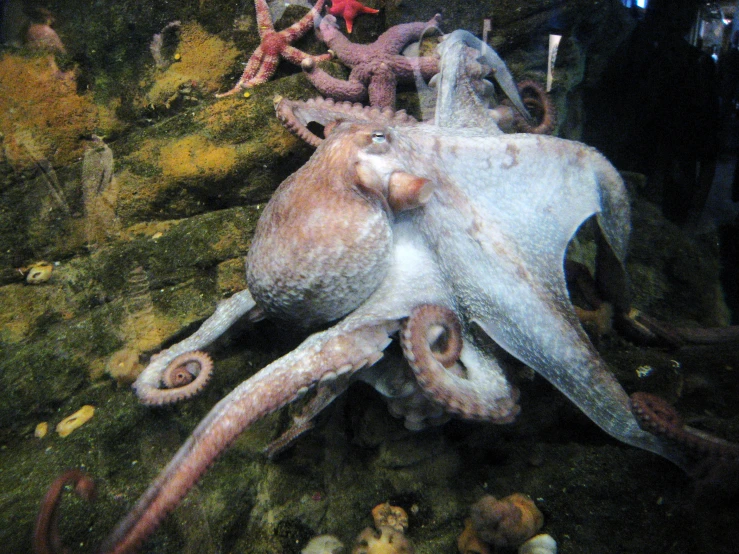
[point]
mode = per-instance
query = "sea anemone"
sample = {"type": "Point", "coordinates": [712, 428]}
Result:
{"type": "Point", "coordinates": [385, 515]}
{"type": "Point", "coordinates": [509, 521]}
{"type": "Point", "coordinates": [388, 537]}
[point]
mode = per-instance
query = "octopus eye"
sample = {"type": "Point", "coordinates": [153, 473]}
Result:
{"type": "Point", "coordinates": [378, 137]}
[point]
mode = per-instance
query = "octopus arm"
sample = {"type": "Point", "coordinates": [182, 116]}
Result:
{"type": "Point", "coordinates": [148, 386]}
{"type": "Point", "coordinates": [458, 105]}
{"type": "Point", "coordinates": [506, 266]}
{"type": "Point", "coordinates": [453, 44]}
{"type": "Point", "coordinates": [321, 358]}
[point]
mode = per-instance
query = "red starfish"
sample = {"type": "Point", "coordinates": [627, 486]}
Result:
{"type": "Point", "coordinates": [264, 60]}
{"type": "Point", "coordinates": [349, 9]}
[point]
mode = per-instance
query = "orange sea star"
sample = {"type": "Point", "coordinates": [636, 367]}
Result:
{"type": "Point", "coordinates": [349, 9]}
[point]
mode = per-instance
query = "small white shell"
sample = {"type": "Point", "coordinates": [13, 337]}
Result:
{"type": "Point", "coordinates": [540, 544]}
{"type": "Point", "coordinates": [323, 544]}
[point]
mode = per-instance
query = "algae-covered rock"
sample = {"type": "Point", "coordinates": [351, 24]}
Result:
{"type": "Point", "coordinates": [225, 153]}
{"type": "Point", "coordinates": [196, 65]}
{"type": "Point", "coordinates": [42, 116]}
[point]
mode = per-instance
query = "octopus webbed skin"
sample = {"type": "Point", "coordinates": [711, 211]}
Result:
{"type": "Point", "coordinates": [388, 215]}
{"type": "Point", "coordinates": [506, 274]}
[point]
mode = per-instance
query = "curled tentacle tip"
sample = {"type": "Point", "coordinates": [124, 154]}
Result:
{"type": "Point", "coordinates": [46, 536]}
{"type": "Point", "coordinates": [440, 328]}
{"type": "Point", "coordinates": [184, 376]}
{"type": "Point", "coordinates": [186, 369]}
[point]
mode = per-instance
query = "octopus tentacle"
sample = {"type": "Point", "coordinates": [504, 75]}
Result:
{"type": "Point", "coordinates": [305, 421]}
{"type": "Point", "coordinates": [148, 386]}
{"type": "Point", "coordinates": [651, 328]}
{"type": "Point", "coordinates": [395, 381]}
{"type": "Point", "coordinates": [431, 325]}
{"type": "Point", "coordinates": [46, 538]}
{"type": "Point", "coordinates": [321, 358]}
{"type": "Point", "coordinates": [185, 376]}
{"type": "Point", "coordinates": [295, 115]}
{"type": "Point", "coordinates": [489, 57]}
{"type": "Point", "coordinates": [660, 418]}
{"type": "Point", "coordinates": [539, 105]}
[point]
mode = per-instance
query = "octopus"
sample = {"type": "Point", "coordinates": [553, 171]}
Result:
{"type": "Point", "coordinates": [449, 235]}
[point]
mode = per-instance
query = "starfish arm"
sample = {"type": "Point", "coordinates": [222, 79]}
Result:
{"type": "Point", "coordinates": [382, 87]}
{"type": "Point", "coordinates": [398, 37]}
{"type": "Point", "coordinates": [264, 17]}
{"type": "Point", "coordinates": [292, 54]}
{"type": "Point", "coordinates": [349, 10]}
{"type": "Point", "coordinates": [252, 66]}
{"type": "Point", "coordinates": [348, 52]}
{"type": "Point", "coordinates": [266, 70]}
{"type": "Point", "coordinates": [405, 68]}
{"type": "Point", "coordinates": [250, 71]}
{"type": "Point", "coordinates": [351, 90]}
{"type": "Point", "coordinates": [305, 24]}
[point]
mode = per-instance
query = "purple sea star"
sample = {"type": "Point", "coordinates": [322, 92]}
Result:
{"type": "Point", "coordinates": [376, 67]}
{"type": "Point", "coordinates": [264, 60]}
